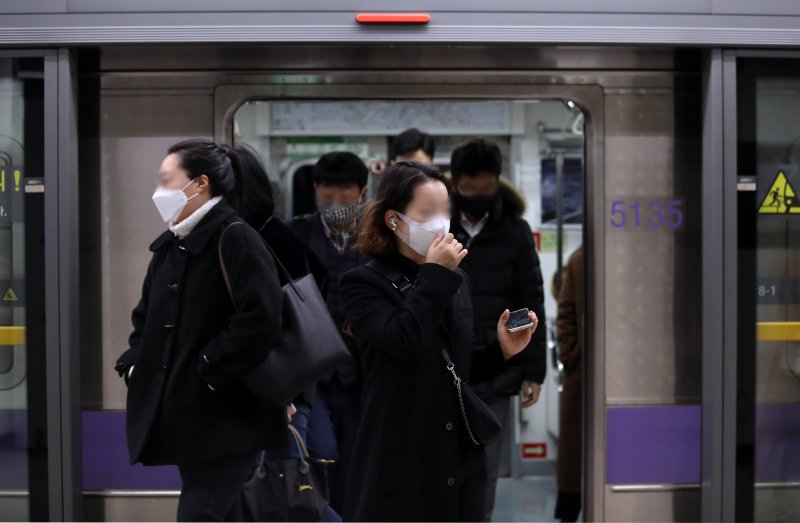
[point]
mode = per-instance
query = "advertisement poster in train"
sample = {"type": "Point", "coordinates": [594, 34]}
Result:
{"type": "Point", "coordinates": [572, 190]}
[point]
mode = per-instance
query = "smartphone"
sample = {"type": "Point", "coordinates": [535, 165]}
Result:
{"type": "Point", "coordinates": [519, 320]}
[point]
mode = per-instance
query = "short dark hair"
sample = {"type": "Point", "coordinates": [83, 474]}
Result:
{"type": "Point", "coordinates": [474, 157]}
{"type": "Point", "coordinates": [257, 202]}
{"type": "Point", "coordinates": [412, 140]}
{"type": "Point", "coordinates": [394, 194]}
{"type": "Point", "coordinates": [342, 169]}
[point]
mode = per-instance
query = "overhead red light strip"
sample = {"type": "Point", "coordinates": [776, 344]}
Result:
{"type": "Point", "coordinates": [393, 18]}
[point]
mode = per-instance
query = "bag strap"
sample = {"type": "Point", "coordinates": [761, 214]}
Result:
{"type": "Point", "coordinates": [399, 281]}
{"type": "Point", "coordinates": [300, 443]}
{"type": "Point", "coordinates": [222, 264]}
{"type": "Point", "coordinates": [278, 263]}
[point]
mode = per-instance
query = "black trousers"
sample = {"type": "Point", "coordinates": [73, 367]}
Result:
{"type": "Point", "coordinates": [211, 489]}
{"type": "Point", "coordinates": [501, 406]}
{"type": "Point", "coordinates": [332, 428]}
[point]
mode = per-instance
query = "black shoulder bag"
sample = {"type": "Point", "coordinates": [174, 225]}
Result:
{"type": "Point", "coordinates": [286, 490]}
{"type": "Point", "coordinates": [481, 424]}
{"type": "Point", "coordinates": [310, 346]}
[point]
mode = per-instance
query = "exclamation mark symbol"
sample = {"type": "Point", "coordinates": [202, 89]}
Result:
{"type": "Point", "coordinates": [2, 180]}
{"type": "Point", "coordinates": [17, 176]}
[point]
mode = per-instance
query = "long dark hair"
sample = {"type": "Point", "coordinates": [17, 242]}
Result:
{"type": "Point", "coordinates": [256, 202]}
{"type": "Point", "coordinates": [395, 192]}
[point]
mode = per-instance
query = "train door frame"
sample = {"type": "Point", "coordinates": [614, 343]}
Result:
{"type": "Point", "coordinates": [517, 86]}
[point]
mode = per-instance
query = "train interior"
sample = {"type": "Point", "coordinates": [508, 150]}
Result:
{"type": "Point", "coordinates": [604, 144]}
{"type": "Point", "coordinates": [542, 144]}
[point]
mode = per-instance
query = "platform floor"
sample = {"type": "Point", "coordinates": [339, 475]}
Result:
{"type": "Point", "coordinates": [525, 499]}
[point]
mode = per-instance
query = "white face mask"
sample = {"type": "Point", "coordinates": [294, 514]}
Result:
{"type": "Point", "coordinates": [170, 202]}
{"type": "Point", "coordinates": [421, 234]}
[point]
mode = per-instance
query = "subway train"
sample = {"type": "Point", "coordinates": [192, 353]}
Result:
{"type": "Point", "coordinates": [662, 139]}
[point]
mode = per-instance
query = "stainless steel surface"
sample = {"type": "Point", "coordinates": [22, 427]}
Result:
{"type": "Point", "coordinates": [730, 275]}
{"type": "Point", "coordinates": [666, 487]}
{"type": "Point", "coordinates": [685, 7]}
{"type": "Point", "coordinates": [713, 289]}
{"type": "Point", "coordinates": [132, 493]}
{"type": "Point", "coordinates": [579, 21]}
{"type": "Point", "coordinates": [777, 485]}
{"type": "Point", "coordinates": [648, 283]}
{"type": "Point", "coordinates": [142, 508]}
{"type": "Point", "coordinates": [343, 57]}
{"type": "Point", "coordinates": [657, 506]}
{"type": "Point", "coordinates": [69, 286]}
{"type": "Point", "coordinates": [52, 281]}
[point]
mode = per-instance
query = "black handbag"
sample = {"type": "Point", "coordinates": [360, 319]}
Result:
{"type": "Point", "coordinates": [310, 346]}
{"type": "Point", "coordinates": [481, 423]}
{"type": "Point", "coordinates": [286, 490]}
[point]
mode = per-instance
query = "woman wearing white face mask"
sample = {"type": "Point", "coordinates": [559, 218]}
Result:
{"type": "Point", "coordinates": [416, 458]}
{"type": "Point", "coordinates": [189, 346]}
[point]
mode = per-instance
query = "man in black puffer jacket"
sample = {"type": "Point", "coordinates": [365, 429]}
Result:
{"type": "Point", "coordinates": [503, 270]}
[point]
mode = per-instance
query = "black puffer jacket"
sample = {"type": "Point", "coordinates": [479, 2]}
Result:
{"type": "Point", "coordinates": [503, 271]}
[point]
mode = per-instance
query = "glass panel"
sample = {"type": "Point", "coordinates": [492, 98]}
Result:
{"type": "Point", "coordinates": [20, 102]}
{"type": "Point", "coordinates": [769, 149]}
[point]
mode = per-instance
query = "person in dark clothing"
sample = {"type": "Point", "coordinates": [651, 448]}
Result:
{"type": "Point", "coordinates": [503, 270]}
{"type": "Point", "coordinates": [256, 208]}
{"type": "Point", "coordinates": [414, 459]}
{"type": "Point", "coordinates": [340, 184]}
{"type": "Point", "coordinates": [412, 145]}
{"type": "Point", "coordinates": [570, 352]}
{"type": "Point", "coordinates": [189, 346]}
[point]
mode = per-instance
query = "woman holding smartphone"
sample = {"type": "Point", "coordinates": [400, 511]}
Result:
{"type": "Point", "coordinates": [415, 458]}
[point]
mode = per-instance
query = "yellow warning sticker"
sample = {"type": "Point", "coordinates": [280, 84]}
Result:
{"type": "Point", "coordinates": [10, 295]}
{"type": "Point", "coordinates": [781, 197]}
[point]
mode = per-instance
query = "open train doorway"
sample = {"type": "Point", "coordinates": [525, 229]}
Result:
{"type": "Point", "coordinates": [542, 145]}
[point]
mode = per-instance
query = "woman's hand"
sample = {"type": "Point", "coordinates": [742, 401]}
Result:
{"type": "Point", "coordinates": [446, 251]}
{"type": "Point", "coordinates": [291, 410]}
{"type": "Point", "coordinates": [512, 343]}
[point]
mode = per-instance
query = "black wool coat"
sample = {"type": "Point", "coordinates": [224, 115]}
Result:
{"type": "Point", "coordinates": [310, 229]}
{"type": "Point", "coordinates": [189, 347]}
{"type": "Point", "coordinates": [504, 273]}
{"type": "Point", "coordinates": [412, 451]}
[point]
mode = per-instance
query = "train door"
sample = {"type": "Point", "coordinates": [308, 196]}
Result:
{"type": "Point", "coordinates": [768, 349]}
{"type": "Point", "coordinates": [35, 465]}
{"type": "Point", "coordinates": [23, 476]}
{"type": "Point", "coordinates": [542, 146]}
